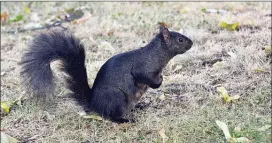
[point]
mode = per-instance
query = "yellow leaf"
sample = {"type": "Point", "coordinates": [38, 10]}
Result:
{"type": "Point", "coordinates": [235, 97]}
{"type": "Point", "coordinates": [267, 50]}
{"type": "Point", "coordinates": [219, 64]}
{"type": "Point", "coordinates": [162, 134]}
{"type": "Point", "coordinates": [223, 126]}
{"type": "Point", "coordinates": [7, 139]}
{"type": "Point", "coordinates": [227, 99]}
{"type": "Point", "coordinates": [27, 10]}
{"type": "Point", "coordinates": [6, 106]}
{"type": "Point", "coordinates": [224, 24]}
{"type": "Point", "coordinates": [259, 70]}
{"type": "Point", "coordinates": [230, 27]}
{"type": "Point", "coordinates": [224, 94]}
{"type": "Point", "coordinates": [222, 90]}
{"type": "Point", "coordinates": [93, 116]}
{"type": "Point", "coordinates": [235, 26]}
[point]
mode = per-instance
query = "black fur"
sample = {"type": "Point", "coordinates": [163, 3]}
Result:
{"type": "Point", "coordinates": [47, 47]}
{"type": "Point", "coordinates": [120, 81]}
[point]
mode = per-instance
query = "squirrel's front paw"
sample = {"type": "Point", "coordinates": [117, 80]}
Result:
{"type": "Point", "coordinates": [158, 83]}
{"type": "Point", "coordinates": [154, 86]}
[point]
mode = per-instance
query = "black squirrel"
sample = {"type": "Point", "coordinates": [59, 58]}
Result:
{"type": "Point", "coordinates": [120, 82]}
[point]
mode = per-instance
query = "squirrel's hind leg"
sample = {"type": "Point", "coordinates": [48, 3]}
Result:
{"type": "Point", "coordinates": [111, 104]}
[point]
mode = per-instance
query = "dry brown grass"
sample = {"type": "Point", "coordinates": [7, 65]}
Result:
{"type": "Point", "coordinates": [191, 103]}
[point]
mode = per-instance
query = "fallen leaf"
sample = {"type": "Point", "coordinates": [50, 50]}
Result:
{"type": "Point", "coordinates": [162, 134]}
{"type": "Point", "coordinates": [224, 94]}
{"type": "Point", "coordinates": [267, 50]}
{"type": "Point", "coordinates": [4, 17]}
{"type": "Point", "coordinates": [223, 126]}
{"type": "Point", "coordinates": [235, 97]}
{"type": "Point", "coordinates": [27, 10]}
{"type": "Point", "coordinates": [93, 116]}
{"type": "Point", "coordinates": [5, 138]}
{"type": "Point", "coordinates": [17, 18]}
{"type": "Point", "coordinates": [219, 64]}
{"type": "Point", "coordinates": [204, 10]}
{"type": "Point", "coordinates": [230, 27]}
{"type": "Point", "coordinates": [6, 106]}
{"type": "Point", "coordinates": [260, 70]}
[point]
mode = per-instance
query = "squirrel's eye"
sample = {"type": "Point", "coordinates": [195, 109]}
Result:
{"type": "Point", "coordinates": [180, 40]}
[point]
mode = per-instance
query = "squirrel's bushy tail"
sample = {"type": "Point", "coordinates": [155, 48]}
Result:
{"type": "Point", "coordinates": [55, 45]}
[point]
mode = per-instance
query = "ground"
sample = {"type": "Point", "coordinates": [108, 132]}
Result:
{"type": "Point", "coordinates": [187, 104]}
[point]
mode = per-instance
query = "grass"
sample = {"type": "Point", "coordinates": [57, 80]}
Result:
{"type": "Point", "coordinates": [191, 104]}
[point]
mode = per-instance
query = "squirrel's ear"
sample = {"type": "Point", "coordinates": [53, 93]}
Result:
{"type": "Point", "coordinates": [162, 27]}
{"type": "Point", "coordinates": [166, 35]}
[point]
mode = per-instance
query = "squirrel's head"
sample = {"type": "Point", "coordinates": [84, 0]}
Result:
{"type": "Point", "coordinates": [175, 42]}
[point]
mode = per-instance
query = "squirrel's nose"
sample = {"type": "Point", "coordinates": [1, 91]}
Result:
{"type": "Point", "coordinates": [190, 42]}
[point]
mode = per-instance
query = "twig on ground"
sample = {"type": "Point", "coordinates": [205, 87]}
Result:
{"type": "Point", "coordinates": [55, 24]}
